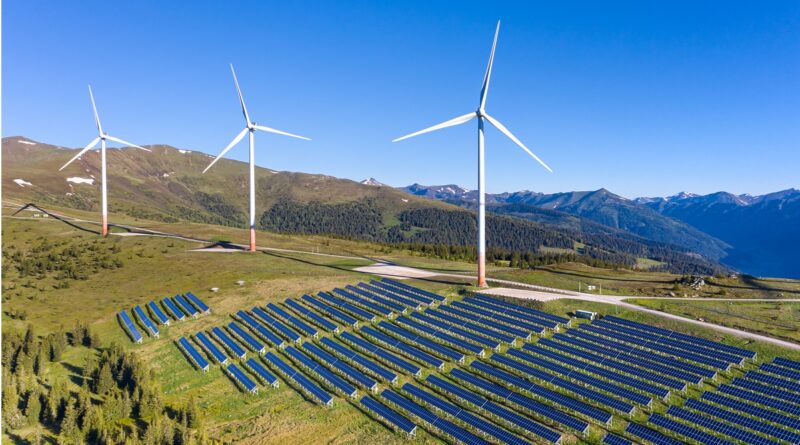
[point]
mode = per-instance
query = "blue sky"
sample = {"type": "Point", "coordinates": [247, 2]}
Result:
{"type": "Point", "coordinates": [643, 98]}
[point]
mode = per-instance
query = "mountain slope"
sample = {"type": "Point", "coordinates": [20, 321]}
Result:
{"type": "Point", "coordinates": [167, 185]}
{"type": "Point", "coordinates": [600, 206]}
{"type": "Point", "coordinates": [764, 230]}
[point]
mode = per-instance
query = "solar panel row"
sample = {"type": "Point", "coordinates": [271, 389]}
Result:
{"type": "Point", "coordinates": [512, 312]}
{"type": "Point", "coordinates": [767, 390]}
{"type": "Point", "coordinates": [649, 435]}
{"type": "Point", "coordinates": [380, 353]}
{"type": "Point", "coordinates": [363, 303]}
{"type": "Point", "coordinates": [211, 349]}
{"type": "Point", "coordinates": [129, 327]}
{"type": "Point", "coordinates": [507, 416]}
{"type": "Point", "coordinates": [335, 313]}
{"type": "Point", "coordinates": [198, 303]}
{"type": "Point", "coordinates": [428, 294]}
{"type": "Point", "coordinates": [719, 427]}
{"type": "Point", "coordinates": [360, 361]}
{"type": "Point", "coordinates": [747, 408]}
{"type": "Point", "coordinates": [148, 324]}
{"type": "Point", "coordinates": [306, 385]}
{"type": "Point", "coordinates": [242, 379]}
{"type": "Point", "coordinates": [228, 343]}
{"type": "Point", "coordinates": [685, 430]}
{"type": "Point", "coordinates": [261, 372]}
{"type": "Point", "coordinates": [759, 399]}
{"type": "Point", "coordinates": [194, 357]}
{"type": "Point", "coordinates": [569, 385]}
{"type": "Point", "coordinates": [422, 342]}
{"type": "Point", "coordinates": [579, 377]}
{"type": "Point", "coordinates": [535, 327]}
{"type": "Point", "coordinates": [781, 371]}
{"type": "Point", "coordinates": [158, 313]}
{"type": "Point", "coordinates": [399, 308]}
{"type": "Point", "coordinates": [353, 310]}
{"type": "Point", "coordinates": [261, 330]}
{"type": "Point", "coordinates": [456, 331]}
{"type": "Point", "coordinates": [773, 380]}
{"type": "Point", "coordinates": [173, 309]}
{"type": "Point", "coordinates": [187, 308]}
{"type": "Point", "coordinates": [520, 308]}
{"type": "Point", "coordinates": [509, 330]}
{"type": "Point", "coordinates": [477, 329]}
{"type": "Point", "coordinates": [291, 319]}
{"type": "Point", "coordinates": [605, 373]}
{"type": "Point", "coordinates": [609, 362]}
{"type": "Point", "coordinates": [742, 420]}
{"type": "Point", "coordinates": [312, 316]}
{"type": "Point", "coordinates": [786, 363]}
{"type": "Point", "coordinates": [612, 439]}
{"type": "Point", "coordinates": [468, 418]}
{"type": "Point", "coordinates": [407, 302]}
{"type": "Point", "coordinates": [246, 338]}
{"type": "Point", "coordinates": [459, 434]}
{"type": "Point", "coordinates": [449, 340]}
{"type": "Point", "coordinates": [407, 293]}
{"type": "Point", "coordinates": [284, 330]}
{"type": "Point", "coordinates": [348, 371]}
{"type": "Point", "coordinates": [528, 404]}
{"type": "Point", "coordinates": [403, 347]}
{"type": "Point", "coordinates": [323, 373]}
{"type": "Point", "coordinates": [393, 418]}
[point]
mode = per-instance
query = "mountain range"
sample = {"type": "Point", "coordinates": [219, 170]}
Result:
{"type": "Point", "coordinates": [754, 234]}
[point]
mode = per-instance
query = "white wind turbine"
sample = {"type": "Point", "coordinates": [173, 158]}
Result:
{"type": "Point", "coordinates": [481, 114]}
{"type": "Point", "coordinates": [250, 127]}
{"type": "Point", "coordinates": [102, 139]}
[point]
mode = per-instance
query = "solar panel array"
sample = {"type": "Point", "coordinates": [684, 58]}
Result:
{"type": "Point", "coordinates": [486, 322]}
{"type": "Point", "coordinates": [364, 303]}
{"type": "Point", "coordinates": [261, 330]}
{"type": "Point", "coordinates": [398, 284]}
{"type": "Point", "coordinates": [211, 349]}
{"type": "Point", "coordinates": [241, 378]}
{"type": "Point", "coordinates": [393, 305]}
{"type": "Point", "coordinates": [320, 321]}
{"type": "Point", "coordinates": [261, 372]}
{"type": "Point", "coordinates": [423, 342]}
{"type": "Point", "coordinates": [686, 430]}
{"type": "Point", "coordinates": [392, 417]}
{"type": "Point", "coordinates": [511, 313]}
{"type": "Point", "coordinates": [403, 347]}
{"type": "Point", "coordinates": [382, 354]}
{"type": "Point", "coordinates": [520, 308]}
{"type": "Point", "coordinates": [253, 344]}
{"type": "Point", "coordinates": [399, 299]}
{"type": "Point", "coordinates": [173, 309]}
{"type": "Point", "coordinates": [719, 427]}
{"type": "Point", "coordinates": [323, 373]}
{"type": "Point", "coordinates": [158, 313]}
{"type": "Point", "coordinates": [148, 324]}
{"type": "Point", "coordinates": [307, 386]}
{"type": "Point", "coordinates": [448, 339]}
{"type": "Point", "coordinates": [198, 303]}
{"type": "Point", "coordinates": [335, 313]}
{"type": "Point", "coordinates": [198, 360]}
{"type": "Point", "coordinates": [456, 331]}
{"type": "Point", "coordinates": [278, 325]}
{"type": "Point", "coordinates": [130, 328]}
{"type": "Point", "coordinates": [228, 343]}
{"type": "Point", "coordinates": [187, 308]}
{"type": "Point", "coordinates": [351, 309]}
{"type": "Point", "coordinates": [359, 360]}
{"type": "Point", "coordinates": [294, 321]}
{"type": "Point", "coordinates": [405, 293]}
{"type": "Point", "coordinates": [743, 420]}
{"type": "Point", "coordinates": [348, 371]}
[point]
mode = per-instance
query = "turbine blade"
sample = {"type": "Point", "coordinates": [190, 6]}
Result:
{"type": "Point", "coordinates": [505, 131]}
{"type": "Point", "coordinates": [120, 141]}
{"type": "Point", "coordinates": [452, 122]}
{"type": "Point", "coordinates": [241, 98]}
{"type": "Point", "coordinates": [233, 142]}
{"type": "Point", "coordinates": [80, 153]}
{"type": "Point", "coordinates": [96, 116]}
{"type": "Point", "coordinates": [272, 130]}
{"type": "Point", "coordinates": [488, 75]}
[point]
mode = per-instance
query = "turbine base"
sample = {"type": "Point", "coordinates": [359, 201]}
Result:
{"type": "Point", "coordinates": [104, 230]}
{"type": "Point", "coordinates": [252, 239]}
{"type": "Point", "coordinates": [482, 271]}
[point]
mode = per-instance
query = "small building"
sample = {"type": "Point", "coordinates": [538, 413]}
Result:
{"type": "Point", "coordinates": [586, 314]}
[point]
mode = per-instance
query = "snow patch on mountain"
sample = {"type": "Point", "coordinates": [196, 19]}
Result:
{"type": "Point", "coordinates": [79, 180]}
{"type": "Point", "coordinates": [21, 182]}
{"type": "Point", "coordinates": [26, 142]}
{"type": "Point", "coordinates": [373, 182]}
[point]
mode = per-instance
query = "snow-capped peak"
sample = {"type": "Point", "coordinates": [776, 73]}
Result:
{"type": "Point", "coordinates": [373, 182]}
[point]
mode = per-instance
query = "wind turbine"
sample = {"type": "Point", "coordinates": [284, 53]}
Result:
{"type": "Point", "coordinates": [481, 114]}
{"type": "Point", "coordinates": [250, 127]}
{"type": "Point", "coordinates": [101, 138]}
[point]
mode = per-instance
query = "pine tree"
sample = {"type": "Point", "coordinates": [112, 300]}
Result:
{"type": "Point", "coordinates": [69, 431]}
{"type": "Point", "coordinates": [105, 380]}
{"type": "Point", "coordinates": [33, 408]}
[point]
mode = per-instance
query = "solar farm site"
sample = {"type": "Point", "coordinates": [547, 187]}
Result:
{"type": "Point", "coordinates": [477, 369]}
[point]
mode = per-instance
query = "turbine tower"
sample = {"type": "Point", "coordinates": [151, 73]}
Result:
{"type": "Point", "coordinates": [101, 138]}
{"type": "Point", "coordinates": [481, 114]}
{"type": "Point", "coordinates": [250, 127]}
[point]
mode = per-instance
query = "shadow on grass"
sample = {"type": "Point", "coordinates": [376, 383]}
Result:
{"type": "Point", "coordinates": [33, 206]}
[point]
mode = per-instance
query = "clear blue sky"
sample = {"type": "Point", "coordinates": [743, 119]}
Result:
{"type": "Point", "coordinates": [643, 98]}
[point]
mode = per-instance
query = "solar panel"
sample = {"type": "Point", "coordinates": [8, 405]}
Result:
{"type": "Point", "coordinates": [242, 379]}
{"type": "Point", "coordinates": [544, 393]}
{"type": "Point", "coordinates": [612, 363]}
{"type": "Point", "coordinates": [396, 290]}
{"type": "Point", "coordinates": [683, 337]}
{"type": "Point", "coordinates": [228, 343]}
{"type": "Point", "coordinates": [423, 342]}
{"type": "Point", "coordinates": [294, 321]}
{"type": "Point", "coordinates": [579, 377]}
{"type": "Point", "coordinates": [474, 327]}
{"type": "Point", "coordinates": [786, 363]}
{"type": "Point", "coordinates": [198, 303]}
{"type": "Point", "coordinates": [773, 380]}
{"type": "Point", "coordinates": [470, 419]}
{"type": "Point", "coordinates": [129, 327]}
{"type": "Point", "coordinates": [260, 329]}
{"type": "Point", "coordinates": [173, 309]}
{"type": "Point", "coordinates": [760, 399]}
{"type": "Point", "coordinates": [651, 435]}
{"type": "Point", "coordinates": [449, 340]}
{"type": "Point", "coordinates": [513, 312]}
{"type": "Point", "coordinates": [323, 373]}
{"type": "Point", "coordinates": [194, 357]}
{"type": "Point", "coordinates": [158, 313]}
{"type": "Point", "coordinates": [582, 391]}
{"type": "Point", "coordinates": [519, 333]}
{"type": "Point", "coordinates": [320, 321]}
{"type": "Point", "coordinates": [261, 372]}
{"type": "Point", "coordinates": [348, 371]}
{"type": "Point", "coordinates": [686, 430]}
{"type": "Point", "coordinates": [336, 313]}
{"type": "Point", "coordinates": [351, 309]}
{"type": "Point", "coordinates": [402, 347]}
{"type": "Point", "coordinates": [210, 348]}
{"type": "Point", "coordinates": [149, 326]}
{"type": "Point", "coordinates": [537, 327]}
{"type": "Point", "coordinates": [719, 427]}
{"type": "Point", "coordinates": [306, 385]}
{"type": "Point", "coordinates": [363, 303]}
{"type": "Point", "coordinates": [527, 403]}
{"type": "Point", "coordinates": [521, 308]}
{"type": "Point", "coordinates": [399, 308]}
{"type": "Point", "coordinates": [586, 366]}
{"type": "Point", "coordinates": [456, 331]}
{"type": "Point", "coordinates": [781, 371]}
{"type": "Point", "coordinates": [382, 354]}
{"type": "Point", "coordinates": [507, 416]}
{"type": "Point", "coordinates": [767, 390]}
{"type": "Point", "coordinates": [360, 361]}
{"type": "Point", "coordinates": [246, 338]}
{"type": "Point", "coordinates": [392, 417]}
{"type": "Point", "coordinates": [459, 434]}
{"type": "Point", "coordinates": [747, 408]}
{"type": "Point", "coordinates": [428, 294]}
{"type": "Point", "coordinates": [284, 330]}
{"type": "Point", "coordinates": [188, 308]}
{"type": "Point", "coordinates": [399, 299]}
{"type": "Point", "coordinates": [744, 421]}
{"type": "Point", "coordinates": [612, 439]}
